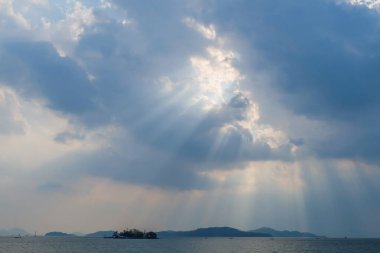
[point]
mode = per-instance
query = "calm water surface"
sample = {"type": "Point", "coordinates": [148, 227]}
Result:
{"type": "Point", "coordinates": [186, 245]}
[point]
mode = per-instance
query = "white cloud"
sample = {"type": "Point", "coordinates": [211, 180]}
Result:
{"type": "Point", "coordinates": [207, 31]}
{"type": "Point", "coordinates": [105, 4]}
{"type": "Point", "coordinates": [369, 3]}
{"type": "Point", "coordinates": [7, 8]}
{"type": "Point", "coordinates": [217, 83]}
{"type": "Point", "coordinates": [216, 78]}
{"type": "Point", "coordinates": [65, 33]}
{"type": "Point", "coordinates": [61, 23]}
{"type": "Point", "coordinates": [35, 127]}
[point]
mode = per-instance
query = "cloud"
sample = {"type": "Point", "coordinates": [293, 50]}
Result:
{"type": "Point", "coordinates": [50, 187]}
{"type": "Point", "coordinates": [65, 137]}
{"type": "Point", "coordinates": [16, 18]}
{"type": "Point", "coordinates": [36, 68]}
{"type": "Point", "coordinates": [12, 120]}
{"type": "Point", "coordinates": [180, 91]}
{"type": "Point", "coordinates": [179, 98]}
{"type": "Point", "coordinates": [196, 103]}
{"type": "Point", "coordinates": [320, 60]}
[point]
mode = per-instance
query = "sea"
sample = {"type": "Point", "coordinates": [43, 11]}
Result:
{"type": "Point", "coordinates": [186, 245]}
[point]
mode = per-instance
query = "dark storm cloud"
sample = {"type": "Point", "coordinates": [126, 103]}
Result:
{"type": "Point", "coordinates": [323, 59]}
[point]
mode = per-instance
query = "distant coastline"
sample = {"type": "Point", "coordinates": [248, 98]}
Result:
{"type": "Point", "coordinates": [213, 232]}
{"type": "Point", "coordinates": [200, 232]}
{"type": "Point", "coordinates": [55, 233]}
{"type": "Point", "coordinates": [233, 232]}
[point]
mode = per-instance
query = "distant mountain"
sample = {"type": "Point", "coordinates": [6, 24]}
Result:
{"type": "Point", "coordinates": [107, 233]}
{"type": "Point", "coordinates": [78, 234]}
{"type": "Point", "coordinates": [58, 234]}
{"type": "Point", "coordinates": [13, 232]}
{"type": "Point", "coordinates": [200, 232]}
{"type": "Point", "coordinates": [212, 232]}
{"type": "Point", "coordinates": [285, 233]}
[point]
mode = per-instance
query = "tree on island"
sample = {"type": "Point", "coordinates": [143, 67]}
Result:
{"type": "Point", "coordinates": [134, 234]}
{"type": "Point", "coordinates": [151, 235]}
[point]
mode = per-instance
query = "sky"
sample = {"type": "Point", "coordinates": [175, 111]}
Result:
{"type": "Point", "coordinates": [183, 114]}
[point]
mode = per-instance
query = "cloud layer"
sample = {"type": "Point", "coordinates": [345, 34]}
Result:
{"type": "Point", "coordinates": [248, 102]}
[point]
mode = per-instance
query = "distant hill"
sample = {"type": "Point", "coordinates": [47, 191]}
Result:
{"type": "Point", "coordinates": [212, 232]}
{"type": "Point", "coordinates": [58, 234]}
{"type": "Point", "coordinates": [78, 234]}
{"type": "Point", "coordinates": [107, 233]}
{"type": "Point", "coordinates": [200, 232]}
{"type": "Point", "coordinates": [285, 233]}
{"type": "Point", "coordinates": [13, 232]}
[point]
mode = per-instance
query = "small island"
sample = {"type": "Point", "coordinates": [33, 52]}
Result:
{"type": "Point", "coordinates": [133, 234]}
{"type": "Point", "coordinates": [56, 234]}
